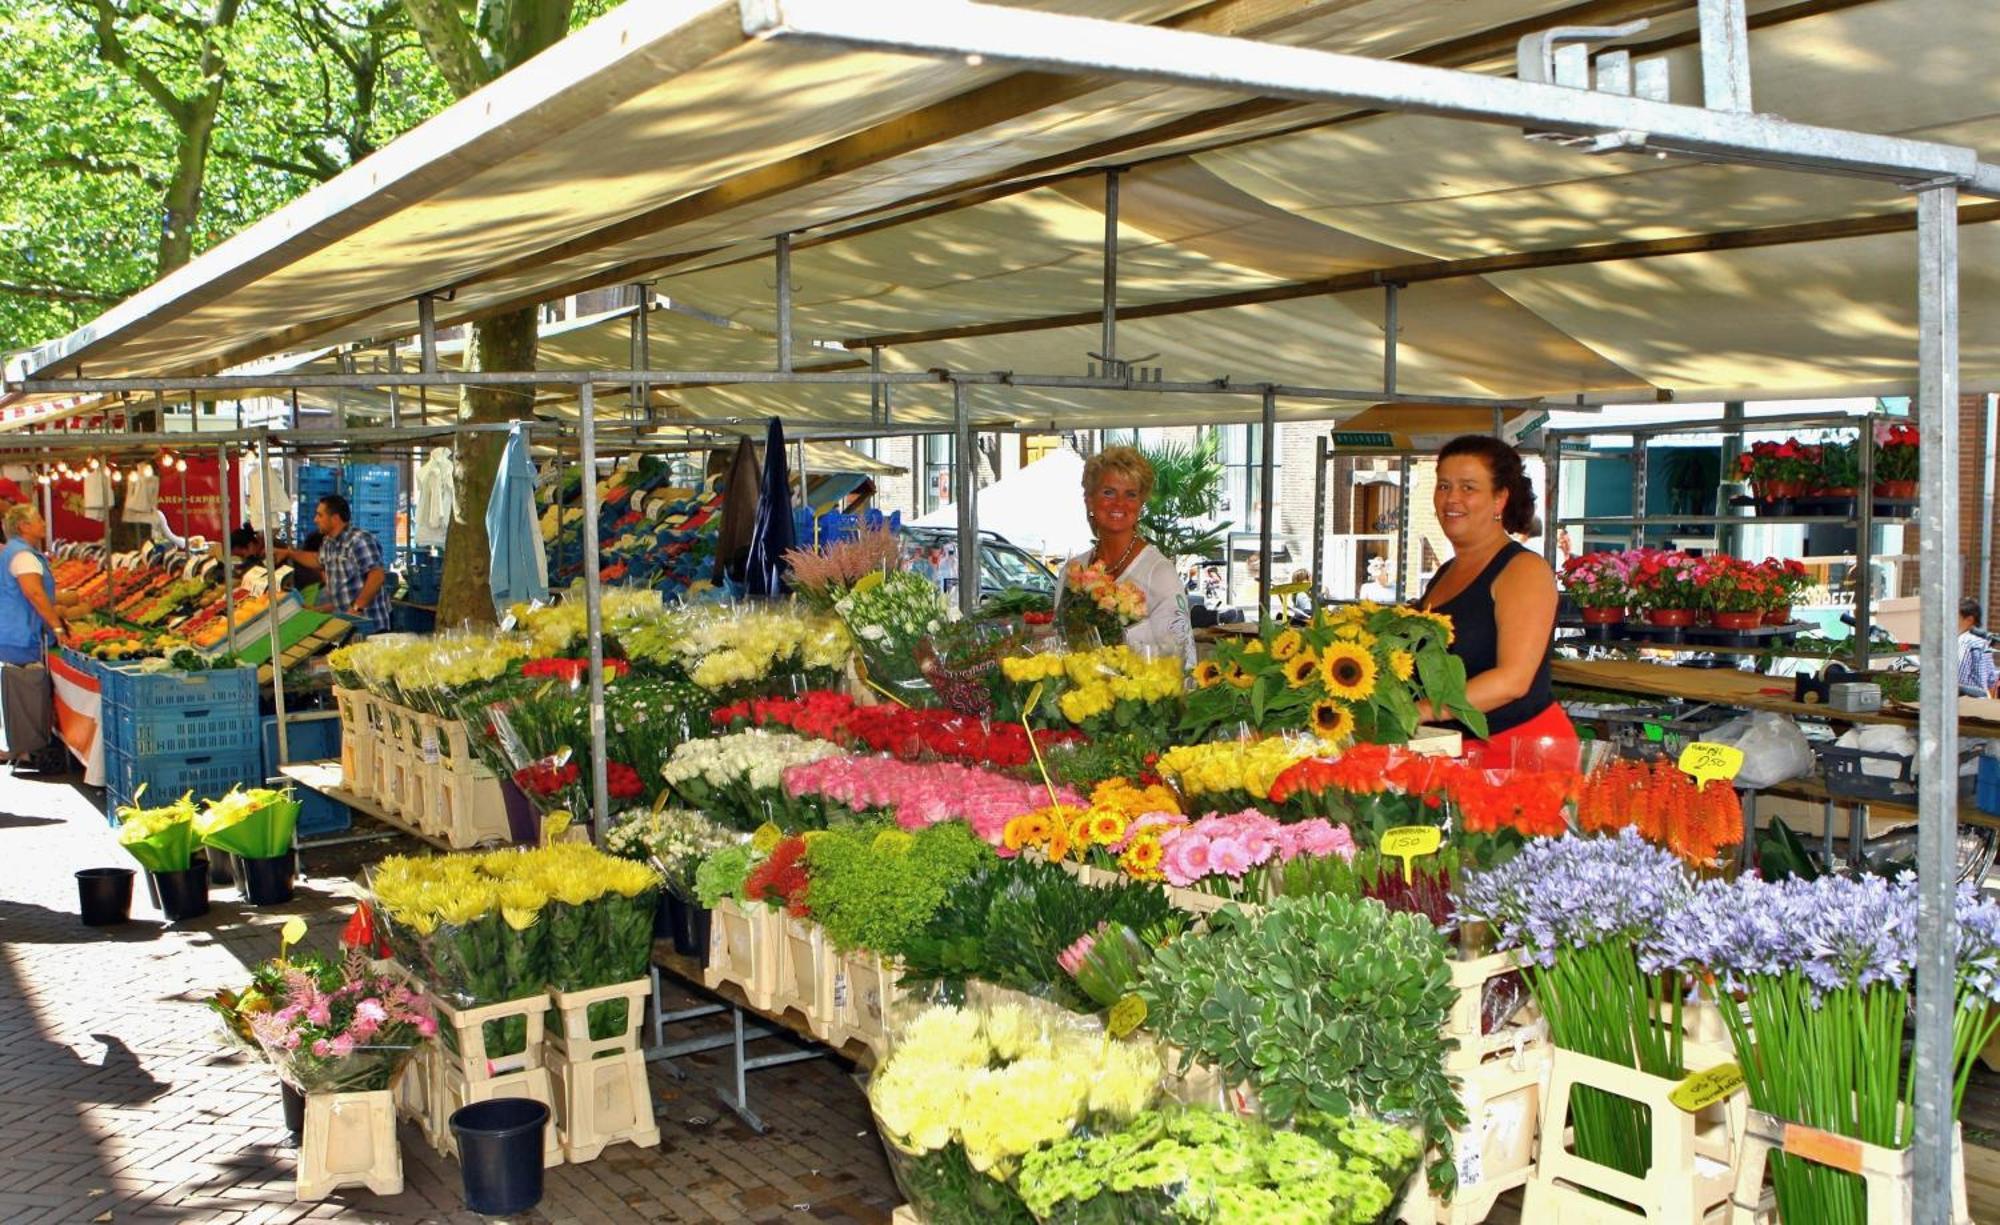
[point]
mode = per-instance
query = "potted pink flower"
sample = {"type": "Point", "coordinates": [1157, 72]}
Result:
{"type": "Point", "coordinates": [1666, 584]}
{"type": "Point", "coordinates": [1598, 583]}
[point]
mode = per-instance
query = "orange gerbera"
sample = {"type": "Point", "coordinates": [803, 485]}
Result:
{"type": "Point", "coordinates": [1028, 829]}
{"type": "Point", "coordinates": [1106, 827]}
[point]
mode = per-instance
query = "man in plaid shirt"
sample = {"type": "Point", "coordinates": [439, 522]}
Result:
{"type": "Point", "coordinates": [349, 563]}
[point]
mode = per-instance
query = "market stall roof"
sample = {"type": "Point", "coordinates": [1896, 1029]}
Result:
{"type": "Point", "coordinates": [950, 212]}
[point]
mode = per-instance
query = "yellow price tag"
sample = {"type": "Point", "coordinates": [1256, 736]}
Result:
{"type": "Point", "coordinates": [1126, 1015]}
{"type": "Point", "coordinates": [555, 825]}
{"type": "Point", "coordinates": [1700, 1090]}
{"type": "Point", "coordinates": [1711, 762]}
{"type": "Point", "coordinates": [291, 933]}
{"type": "Point", "coordinates": [1406, 842]}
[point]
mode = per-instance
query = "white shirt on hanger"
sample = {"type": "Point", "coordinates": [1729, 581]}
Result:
{"type": "Point", "coordinates": [142, 495]}
{"type": "Point", "coordinates": [436, 485]}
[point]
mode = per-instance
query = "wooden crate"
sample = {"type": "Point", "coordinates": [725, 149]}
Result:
{"type": "Point", "coordinates": [349, 1140]}
{"type": "Point", "coordinates": [1690, 1177]}
{"type": "Point", "coordinates": [861, 994]}
{"type": "Point", "coordinates": [1887, 1172]}
{"type": "Point", "coordinates": [743, 949]}
{"type": "Point", "coordinates": [467, 808]}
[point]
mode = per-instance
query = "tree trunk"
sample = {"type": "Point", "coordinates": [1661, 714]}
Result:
{"type": "Point", "coordinates": [183, 196]}
{"type": "Point", "coordinates": [506, 342]}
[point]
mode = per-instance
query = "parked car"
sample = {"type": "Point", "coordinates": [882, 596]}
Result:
{"type": "Point", "coordinates": [1003, 565]}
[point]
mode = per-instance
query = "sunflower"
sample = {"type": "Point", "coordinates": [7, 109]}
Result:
{"type": "Point", "coordinates": [1331, 721]}
{"type": "Point", "coordinates": [1235, 675]}
{"type": "Point", "coordinates": [1402, 665]}
{"type": "Point", "coordinates": [1348, 671]}
{"type": "Point", "coordinates": [1254, 647]}
{"type": "Point", "coordinates": [1300, 671]}
{"type": "Point", "coordinates": [1436, 618]}
{"type": "Point", "coordinates": [1207, 673]}
{"type": "Point", "coordinates": [1287, 644]}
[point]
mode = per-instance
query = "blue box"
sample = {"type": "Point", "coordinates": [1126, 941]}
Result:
{"type": "Point", "coordinates": [173, 714]}
{"type": "Point", "coordinates": [307, 735]}
{"type": "Point", "coordinates": [208, 775]}
{"type": "Point", "coordinates": [1988, 797]}
{"type": "Point", "coordinates": [319, 815]}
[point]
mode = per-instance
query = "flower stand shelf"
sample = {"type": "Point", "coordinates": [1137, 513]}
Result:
{"type": "Point", "coordinates": [416, 1093]}
{"type": "Point", "coordinates": [1524, 1028]}
{"type": "Point", "coordinates": [743, 949]}
{"type": "Point", "coordinates": [1887, 1172]}
{"type": "Point", "coordinates": [1496, 1152]}
{"type": "Point", "coordinates": [802, 953]}
{"type": "Point", "coordinates": [1689, 1179]}
{"type": "Point", "coordinates": [467, 807]}
{"type": "Point", "coordinates": [465, 1073]}
{"type": "Point", "coordinates": [349, 1141]}
{"type": "Point", "coordinates": [357, 739]}
{"type": "Point", "coordinates": [861, 993]}
{"type": "Point", "coordinates": [602, 1096]}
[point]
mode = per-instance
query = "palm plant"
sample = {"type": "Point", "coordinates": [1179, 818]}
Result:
{"type": "Point", "coordinates": [1187, 491]}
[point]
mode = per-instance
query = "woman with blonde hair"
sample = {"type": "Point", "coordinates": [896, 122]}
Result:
{"type": "Point", "coordinates": [1116, 483]}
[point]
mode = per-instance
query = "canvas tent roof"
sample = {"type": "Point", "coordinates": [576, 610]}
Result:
{"type": "Point", "coordinates": [933, 195]}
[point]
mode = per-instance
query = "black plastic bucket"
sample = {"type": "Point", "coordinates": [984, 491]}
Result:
{"type": "Point", "coordinates": [666, 915]}
{"type": "Point", "coordinates": [183, 894]}
{"type": "Point", "coordinates": [104, 895]}
{"type": "Point", "coordinates": [500, 1153]}
{"type": "Point", "coordinates": [295, 1110]}
{"type": "Point", "coordinates": [691, 930]}
{"type": "Point", "coordinates": [265, 882]}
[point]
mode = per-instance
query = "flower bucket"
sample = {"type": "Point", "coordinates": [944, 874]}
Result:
{"type": "Point", "coordinates": [266, 882]}
{"type": "Point", "coordinates": [294, 1103]}
{"type": "Point", "coordinates": [104, 896]}
{"type": "Point", "coordinates": [183, 894]}
{"type": "Point", "coordinates": [692, 925]}
{"type": "Point", "coordinates": [1603, 616]}
{"type": "Point", "coordinates": [1745, 620]}
{"type": "Point", "coordinates": [665, 911]}
{"type": "Point", "coordinates": [1670, 618]}
{"type": "Point", "coordinates": [499, 1154]}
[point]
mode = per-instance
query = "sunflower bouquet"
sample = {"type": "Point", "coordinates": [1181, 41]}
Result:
{"type": "Point", "coordinates": [1353, 673]}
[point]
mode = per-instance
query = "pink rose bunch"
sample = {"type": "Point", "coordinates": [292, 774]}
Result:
{"type": "Point", "coordinates": [1228, 853]}
{"type": "Point", "coordinates": [918, 795]}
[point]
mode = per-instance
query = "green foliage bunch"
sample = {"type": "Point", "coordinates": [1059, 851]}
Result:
{"type": "Point", "coordinates": [722, 874]}
{"type": "Point", "coordinates": [1187, 491]}
{"type": "Point", "coordinates": [875, 886]}
{"type": "Point", "coordinates": [1324, 1003]}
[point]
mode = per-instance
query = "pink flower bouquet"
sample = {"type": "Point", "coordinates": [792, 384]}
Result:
{"type": "Point", "coordinates": [917, 795]}
{"type": "Point", "coordinates": [342, 1028]}
{"type": "Point", "coordinates": [1230, 854]}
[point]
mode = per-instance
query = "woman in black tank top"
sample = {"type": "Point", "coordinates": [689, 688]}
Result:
{"type": "Point", "coordinates": [1501, 598]}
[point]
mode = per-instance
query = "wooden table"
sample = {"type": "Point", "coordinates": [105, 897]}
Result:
{"type": "Point", "coordinates": [1727, 687]}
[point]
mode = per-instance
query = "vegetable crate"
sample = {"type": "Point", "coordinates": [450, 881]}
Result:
{"type": "Point", "coordinates": [467, 807]}
{"type": "Point", "coordinates": [1887, 1172]}
{"type": "Point", "coordinates": [743, 949]}
{"type": "Point", "coordinates": [179, 714]}
{"type": "Point", "coordinates": [1503, 1099]}
{"type": "Point", "coordinates": [1690, 1176]}
{"type": "Point", "coordinates": [349, 1140]}
{"type": "Point", "coordinates": [602, 1096]}
{"type": "Point", "coordinates": [465, 1073]}
{"type": "Point", "coordinates": [859, 997]}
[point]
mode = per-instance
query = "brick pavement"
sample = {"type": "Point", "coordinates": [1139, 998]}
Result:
{"type": "Point", "coordinates": [119, 1100]}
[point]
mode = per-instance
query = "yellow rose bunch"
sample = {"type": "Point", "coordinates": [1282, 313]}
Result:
{"type": "Point", "coordinates": [1246, 766]}
{"type": "Point", "coordinates": [1090, 685]}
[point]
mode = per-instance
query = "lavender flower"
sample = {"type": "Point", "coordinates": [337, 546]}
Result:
{"type": "Point", "coordinates": [1836, 932]}
{"type": "Point", "coordinates": [1572, 892]}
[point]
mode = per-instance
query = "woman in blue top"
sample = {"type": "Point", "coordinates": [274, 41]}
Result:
{"type": "Point", "coordinates": [28, 617]}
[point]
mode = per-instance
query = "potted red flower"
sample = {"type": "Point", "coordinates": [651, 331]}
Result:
{"type": "Point", "coordinates": [1597, 582]}
{"type": "Point", "coordinates": [1785, 580]}
{"type": "Point", "coordinates": [1895, 460]}
{"type": "Point", "coordinates": [1665, 584]}
{"type": "Point", "coordinates": [1778, 471]}
{"type": "Point", "coordinates": [1736, 591]}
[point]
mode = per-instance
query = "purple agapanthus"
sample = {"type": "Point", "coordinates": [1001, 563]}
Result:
{"type": "Point", "coordinates": [1573, 891]}
{"type": "Point", "coordinates": [1978, 947]}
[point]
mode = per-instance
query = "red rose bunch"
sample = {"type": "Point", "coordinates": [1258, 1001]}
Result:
{"type": "Point", "coordinates": [928, 734]}
{"type": "Point", "coordinates": [623, 781]}
{"type": "Point", "coordinates": [545, 778]}
{"type": "Point", "coordinates": [571, 671]}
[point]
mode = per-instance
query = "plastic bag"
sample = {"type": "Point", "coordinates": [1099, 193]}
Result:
{"type": "Point", "coordinates": [1774, 749]}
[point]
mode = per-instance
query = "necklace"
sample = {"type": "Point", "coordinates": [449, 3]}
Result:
{"type": "Point", "coordinates": [1130, 549]}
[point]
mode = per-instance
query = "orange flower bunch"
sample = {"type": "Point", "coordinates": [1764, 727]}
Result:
{"type": "Point", "coordinates": [1531, 802]}
{"type": "Point", "coordinates": [1698, 822]}
{"type": "Point", "coordinates": [1123, 796]}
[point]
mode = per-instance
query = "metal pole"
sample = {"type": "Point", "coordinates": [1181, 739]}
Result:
{"type": "Point", "coordinates": [1408, 471]}
{"type": "Point", "coordinates": [427, 332]}
{"type": "Point", "coordinates": [784, 302]}
{"type": "Point", "coordinates": [965, 492]}
{"type": "Point", "coordinates": [642, 354]}
{"type": "Point", "coordinates": [1937, 718]}
{"type": "Point", "coordinates": [878, 393]}
{"type": "Point", "coordinates": [228, 557]}
{"type": "Point", "coordinates": [1864, 547]}
{"type": "Point", "coordinates": [1267, 492]}
{"type": "Point", "coordinates": [593, 608]}
{"type": "Point", "coordinates": [1390, 327]}
{"type": "Point", "coordinates": [1986, 507]}
{"type": "Point", "coordinates": [277, 646]}
{"type": "Point", "coordinates": [1320, 460]}
{"type": "Point", "coordinates": [1108, 344]}
{"type": "Point", "coordinates": [395, 393]}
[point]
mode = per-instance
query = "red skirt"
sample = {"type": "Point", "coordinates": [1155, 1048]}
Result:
{"type": "Point", "coordinates": [1546, 742]}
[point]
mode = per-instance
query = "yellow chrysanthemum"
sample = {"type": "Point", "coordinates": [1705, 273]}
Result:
{"type": "Point", "coordinates": [1287, 644]}
{"type": "Point", "coordinates": [1348, 671]}
{"type": "Point", "coordinates": [1331, 721]}
{"type": "Point", "coordinates": [1402, 665]}
{"type": "Point", "coordinates": [1207, 673]}
{"type": "Point", "coordinates": [1301, 670]}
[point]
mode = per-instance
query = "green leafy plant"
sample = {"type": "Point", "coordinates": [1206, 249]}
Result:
{"type": "Point", "coordinates": [875, 886]}
{"type": "Point", "coordinates": [1187, 490]}
{"type": "Point", "coordinates": [721, 875]}
{"type": "Point", "coordinates": [1084, 764]}
{"type": "Point", "coordinates": [1325, 1004]}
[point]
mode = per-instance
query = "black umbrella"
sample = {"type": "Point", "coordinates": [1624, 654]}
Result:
{"type": "Point", "coordinates": [764, 573]}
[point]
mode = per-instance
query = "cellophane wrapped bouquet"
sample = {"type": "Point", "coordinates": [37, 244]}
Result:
{"type": "Point", "coordinates": [340, 1027]}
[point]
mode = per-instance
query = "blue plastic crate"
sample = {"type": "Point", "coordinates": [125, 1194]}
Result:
{"type": "Point", "coordinates": [309, 737]}
{"type": "Point", "coordinates": [208, 775]}
{"type": "Point", "coordinates": [221, 688]}
{"type": "Point", "coordinates": [319, 815]}
{"type": "Point", "coordinates": [178, 731]}
{"type": "Point", "coordinates": [1988, 796]}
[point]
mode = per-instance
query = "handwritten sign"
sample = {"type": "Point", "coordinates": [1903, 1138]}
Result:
{"type": "Point", "coordinates": [1406, 842]}
{"type": "Point", "coordinates": [1710, 762]}
{"type": "Point", "coordinates": [1704, 1089]}
{"type": "Point", "coordinates": [1823, 1148]}
{"type": "Point", "coordinates": [1126, 1015]}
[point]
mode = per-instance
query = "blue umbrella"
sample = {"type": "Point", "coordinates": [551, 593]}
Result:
{"type": "Point", "coordinates": [771, 539]}
{"type": "Point", "coordinates": [520, 568]}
